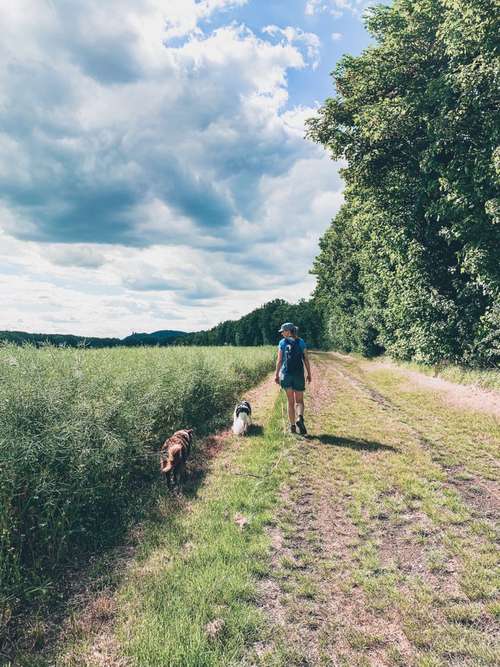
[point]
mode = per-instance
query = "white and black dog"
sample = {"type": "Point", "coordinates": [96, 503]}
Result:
{"type": "Point", "coordinates": [242, 418]}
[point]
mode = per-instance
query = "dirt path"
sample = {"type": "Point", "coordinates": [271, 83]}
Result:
{"type": "Point", "coordinates": [383, 553]}
{"type": "Point", "coordinates": [468, 397]}
{"type": "Point", "coordinates": [372, 542]}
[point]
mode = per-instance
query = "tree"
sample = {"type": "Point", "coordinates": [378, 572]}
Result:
{"type": "Point", "coordinates": [410, 264]}
{"type": "Point", "coordinates": [260, 327]}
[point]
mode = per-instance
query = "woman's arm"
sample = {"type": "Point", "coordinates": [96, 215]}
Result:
{"type": "Point", "coordinates": [308, 367]}
{"type": "Point", "coordinates": [278, 366]}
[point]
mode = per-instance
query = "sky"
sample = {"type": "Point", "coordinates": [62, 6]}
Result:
{"type": "Point", "coordinates": [153, 167]}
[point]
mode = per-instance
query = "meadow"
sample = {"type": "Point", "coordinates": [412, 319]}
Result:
{"type": "Point", "coordinates": [79, 437]}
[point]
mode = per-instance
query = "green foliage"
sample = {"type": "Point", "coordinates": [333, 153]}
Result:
{"type": "Point", "coordinates": [61, 340]}
{"type": "Point", "coordinates": [411, 262]}
{"type": "Point", "coordinates": [80, 432]}
{"type": "Point", "coordinates": [260, 327]}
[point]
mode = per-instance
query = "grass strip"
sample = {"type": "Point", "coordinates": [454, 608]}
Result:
{"type": "Point", "coordinates": [423, 556]}
{"type": "Point", "coordinates": [191, 599]}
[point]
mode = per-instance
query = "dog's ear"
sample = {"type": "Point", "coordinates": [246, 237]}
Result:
{"type": "Point", "coordinates": [190, 430]}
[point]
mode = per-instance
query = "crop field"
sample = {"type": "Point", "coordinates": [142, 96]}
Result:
{"type": "Point", "coordinates": [79, 437]}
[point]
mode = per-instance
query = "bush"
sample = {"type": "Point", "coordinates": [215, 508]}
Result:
{"type": "Point", "coordinates": [79, 437]}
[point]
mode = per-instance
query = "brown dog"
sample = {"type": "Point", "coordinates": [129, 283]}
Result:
{"type": "Point", "coordinates": [174, 454]}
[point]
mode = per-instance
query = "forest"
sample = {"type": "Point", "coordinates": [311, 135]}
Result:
{"type": "Point", "coordinates": [410, 264]}
{"type": "Point", "coordinates": [260, 327]}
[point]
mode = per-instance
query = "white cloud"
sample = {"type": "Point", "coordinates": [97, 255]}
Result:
{"type": "Point", "coordinates": [336, 36]}
{"type": "Point", "coordinates": [75, 255]}
{"type": "Point", "coordinates": [183, 134]}
{"type": "Point", "coordinates": [140, 175]}
{"type": "Point", "coordinates": [297, 36]}
{"type": "Point", "coordinates": [337, 8]}
{"type": "Point", "coordinates": [183, 16]}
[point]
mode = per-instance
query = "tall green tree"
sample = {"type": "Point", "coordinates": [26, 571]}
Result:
{"type": "Point", "coordinates": [411, 262]}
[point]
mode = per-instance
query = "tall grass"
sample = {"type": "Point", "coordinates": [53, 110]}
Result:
{"type": "Point", "coordinates": [79, 435]}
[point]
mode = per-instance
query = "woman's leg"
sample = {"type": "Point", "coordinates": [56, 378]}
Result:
{"type": "Point", "coordinates": [299, 409]}
{"type": "Point", "coordinates": [291, 405]}
{"type": "Point", "coordinates": [299, 403]}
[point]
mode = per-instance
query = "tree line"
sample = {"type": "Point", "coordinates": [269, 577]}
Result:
{"type": "Point", "coordinates": [160, 338]}
{"type": "Point", "coordinates": [411, 263]}
{"type": "Point", "coordinates": [260, 327]}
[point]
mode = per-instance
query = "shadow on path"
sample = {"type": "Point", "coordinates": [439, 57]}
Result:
{"type": "Point", "coordinates": [353, 443]}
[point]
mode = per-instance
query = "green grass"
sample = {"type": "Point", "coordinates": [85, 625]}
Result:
{"type": "Point", "coordinates": [415, 546]}
{"type": "Point", "coordinates": [457, 437]}
{"type": "Point", "coordinates": [79, 435]}
{"type": "Point", "coordinates": [416, 552]}
{"type": "Point", "coordinates": [198, 569]}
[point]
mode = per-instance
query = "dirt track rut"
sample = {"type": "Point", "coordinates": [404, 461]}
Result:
{"type": "Point", "coordinates": [373, 539]}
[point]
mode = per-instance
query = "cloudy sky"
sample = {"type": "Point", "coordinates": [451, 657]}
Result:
{"type": "Point", "coordinates": [153, 170]}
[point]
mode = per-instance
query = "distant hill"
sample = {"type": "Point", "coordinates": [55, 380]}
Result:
{"type": "Point", "coordinates": [166, 337]}
{"type": "Point", "coordinates": [156, 338]}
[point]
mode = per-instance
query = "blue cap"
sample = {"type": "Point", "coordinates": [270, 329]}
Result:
{"type": "Point", "coordinates": [287, 326]}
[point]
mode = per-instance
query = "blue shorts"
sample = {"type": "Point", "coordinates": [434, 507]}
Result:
{"type": "Point", "coordinates": [295, 381]}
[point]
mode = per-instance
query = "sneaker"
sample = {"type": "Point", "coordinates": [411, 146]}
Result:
{"type": "Point", "coordinates": [301, 426]}
{"type": "Point", "coordinates": [293, 428]}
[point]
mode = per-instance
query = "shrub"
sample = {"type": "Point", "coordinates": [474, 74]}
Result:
{"type": "Point", "coordinates": [79, 435]}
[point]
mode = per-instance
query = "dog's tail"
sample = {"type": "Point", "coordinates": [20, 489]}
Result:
{"type": "Point", "coordinates": [171, 458]}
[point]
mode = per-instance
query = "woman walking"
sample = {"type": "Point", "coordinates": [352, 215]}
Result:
{"type": "Point", "coordinates": [292, 357]}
